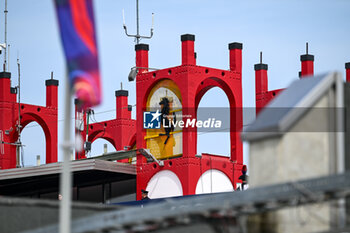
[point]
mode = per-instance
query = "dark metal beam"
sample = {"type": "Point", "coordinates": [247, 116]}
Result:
{"type": "Point", "coordinates": [251, 201]}
{"type": "Point", "coordinates": [116, 155]}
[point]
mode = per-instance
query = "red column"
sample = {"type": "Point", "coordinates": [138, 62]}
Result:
{"type": "Point", "coordinates": [80, 129]}
{"type": "Point", "coordinates": [236, 56]}
{"type": "Point", "coordinates": [5, 86]}
{"type": "Point", "coordinates": [52, 101]}
{"type": "Point", "coordinates": [142, 57]}
{"type": "Point", "coordinates": [261, 85]}
{"type": "Point", "coordinates": [188, 54]}
{"type": "Point", "coordinates": [141, 61]}
{"type": "Point", "coordinates": [7, 110]}
{"type": "Point", "coordinates": [236, 108]}
{"type": "Point", "coordinates": [123, 115]}
{"type": "Point", "coordinates": [51, 93]}
{"type": "Point", "coordinates": [347, 67]}
{"type": "Point", "coordinates": [307, 65]}
{"type": "Point", "coordinates": [122, 104]}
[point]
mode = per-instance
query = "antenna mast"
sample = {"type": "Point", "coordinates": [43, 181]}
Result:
{"type": "Point", "coordinates": [138, 37]}
{"type": "Point", "coordinates": [19, 143]}
{"type": "Point", "coordinates": [5, 54]}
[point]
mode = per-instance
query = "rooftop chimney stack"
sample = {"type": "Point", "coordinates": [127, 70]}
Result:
{"type": "Point", "coordinates": [307, 63]}
{"type": "Point", "coordinates": [188, 54]}
{"type": "Point", "coordinates": [51, 92]}
{"type": "Point", "coordinates": [236, 56]}
{"type": "Point", "coordinates": [347, 68]}
{"type": "Point", "coordinates": [5, 86]}
{"type": "Point", "coordinates": [123, 110]}
{"type": "Point", "coordinates": [142, 57]}
{"type": "Point", "coordinates": [261, 84]}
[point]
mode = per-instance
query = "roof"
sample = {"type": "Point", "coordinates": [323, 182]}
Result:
{"type": "Point", "coordinates": [86, 172]}
{"type": "Point", "coordinates": [289, 106]}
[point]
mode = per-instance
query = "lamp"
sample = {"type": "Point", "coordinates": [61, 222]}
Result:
{"type": "Point", "coordinates": [134, 70]}
{"type": "Point", "coordinates": [132, 74]}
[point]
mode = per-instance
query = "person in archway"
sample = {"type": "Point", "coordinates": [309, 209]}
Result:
{"type": "Point", "coordinates": [144, 195]}
{"type": "Point", "coordinates": [244, 176]}
{"type": "Point", "coordinates": [165, 111]}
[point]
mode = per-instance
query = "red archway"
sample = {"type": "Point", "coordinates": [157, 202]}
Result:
{"type": "Point", "coordinates": [45, 116]}
{"type": "Point", "coordinates": [193, 81]}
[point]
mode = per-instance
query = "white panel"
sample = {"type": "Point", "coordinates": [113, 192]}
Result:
{"type": "Point", "coordinates": [164, 184]}
{"type": "Point", "coordinates": [213, 181]}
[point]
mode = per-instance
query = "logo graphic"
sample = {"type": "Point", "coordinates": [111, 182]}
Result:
{"type": "Point", "coordinates": [151, 120]}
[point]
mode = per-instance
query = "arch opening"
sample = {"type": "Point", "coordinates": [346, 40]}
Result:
{"type": "Point", "coordinates": [33, 148]}
{"type": "Point", "coordinates": [163, 138]}
{"type": "Point", "coordinates": [213, 181]}
{"type": "Point", "coordinates": [98, 147]}
{"type": "Point", "coordinates": [214, 104]}
{"type": "Point", "coordinates": [164, 184]}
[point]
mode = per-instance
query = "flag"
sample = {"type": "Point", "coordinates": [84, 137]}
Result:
{"type": "Point", "coordinates": [77, 29]}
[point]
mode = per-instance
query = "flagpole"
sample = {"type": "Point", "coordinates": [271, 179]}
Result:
{"type": "Point", "coordinates": [66, 178]}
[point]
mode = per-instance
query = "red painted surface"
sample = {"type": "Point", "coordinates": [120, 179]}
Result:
{"type": "Point", "coordinates": [193, 82]}
{"type": "Point", "coordinates": [46, 117]}
{"type": "Point", "coordinates": [262, 95]}
{"type": "Point", "coordinates": [307, 65]}
{"type": "Point", "coordinates": [347, 70]}
{"type": "Point", "coordinates": [307, 68]}
{"type": "Point", "coordinates": [120, 132]}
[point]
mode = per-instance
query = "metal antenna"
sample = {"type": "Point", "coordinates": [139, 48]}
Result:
{"type": "Point", "coordinates": [121, 85]}
{"type": "Point", "coordinates": [307, 47]}
{"type": "Point", "coordinates": [5, 54]}
{"type": "Point", "coordinates": [51, 75]}
{"type": "Point", "coordinates": [19, 143]}
{"type": "Point", "coordinates": [260, 57]}
{"type": "Point", "coordinates": [8, 58]}
{"type": "Point", "coordinates": [138, 37]}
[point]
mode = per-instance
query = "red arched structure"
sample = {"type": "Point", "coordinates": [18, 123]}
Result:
{"type": "Point", "coordinates": [120, 132]}
{"type": "Point", "coordinates": [193, 82]}
{"type": "Point", "coordinates": [46, 117]}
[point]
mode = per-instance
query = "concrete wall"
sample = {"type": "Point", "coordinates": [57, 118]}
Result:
{"type": "Point", "coordinates": [300, 153]}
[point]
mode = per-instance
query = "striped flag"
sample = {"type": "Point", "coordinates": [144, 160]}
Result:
{"type": "Point", "coordinates": [77, 28]}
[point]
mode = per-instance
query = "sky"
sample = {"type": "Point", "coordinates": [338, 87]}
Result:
{"type": "Point", "coordinates": [279, 29]}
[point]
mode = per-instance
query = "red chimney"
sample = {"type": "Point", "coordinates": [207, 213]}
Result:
{"type": "Point", "coordinates": [123, 110]}
{"type": "Point", "coordinates": [51, 93]}
{"type": "Point", "coordinates": [347, 67]}
{"type": "Point", "coordinates": [307, 63]}
{"type": "Point", "coordinates": [5, 86]}
{"type": "Point", "coordinates": [142, 57]}
{"type": "Point", "coordinates": [261, 85]}
{"type": "Point", "coordinates": [188, 54]}
{"type": "Point", "coordinates": [236, 56]}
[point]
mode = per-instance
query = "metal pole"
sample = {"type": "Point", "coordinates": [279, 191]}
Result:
{"type": "Point", "coordinates": [18, 146]}
{"type": "Point", "coordinates": [66, 178]}
{"type": "Point", "coordinates": [8, 58]}
{"type": "Point", "coordinates": [137, 23]}
{"type": "Point", "coordinates": [340, 146]}
{"type": "Point", "coordinates": [5, 54]}
{"type": "Point", "coordinates": [260, 57]}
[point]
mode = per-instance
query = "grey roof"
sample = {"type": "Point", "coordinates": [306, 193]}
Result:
{"type": "Point", "coordinates": [77, 166]}
{"type": "Point", "coordinates": [45, 178]}
{"type": "Point", "coordinates": [292, 103]}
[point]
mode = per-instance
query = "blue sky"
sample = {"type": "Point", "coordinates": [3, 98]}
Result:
{"type": "Point", "coordinates": [278, 28]}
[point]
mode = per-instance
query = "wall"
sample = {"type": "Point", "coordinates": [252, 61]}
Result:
{"type": "Point", "coordinates": [300, 153]}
